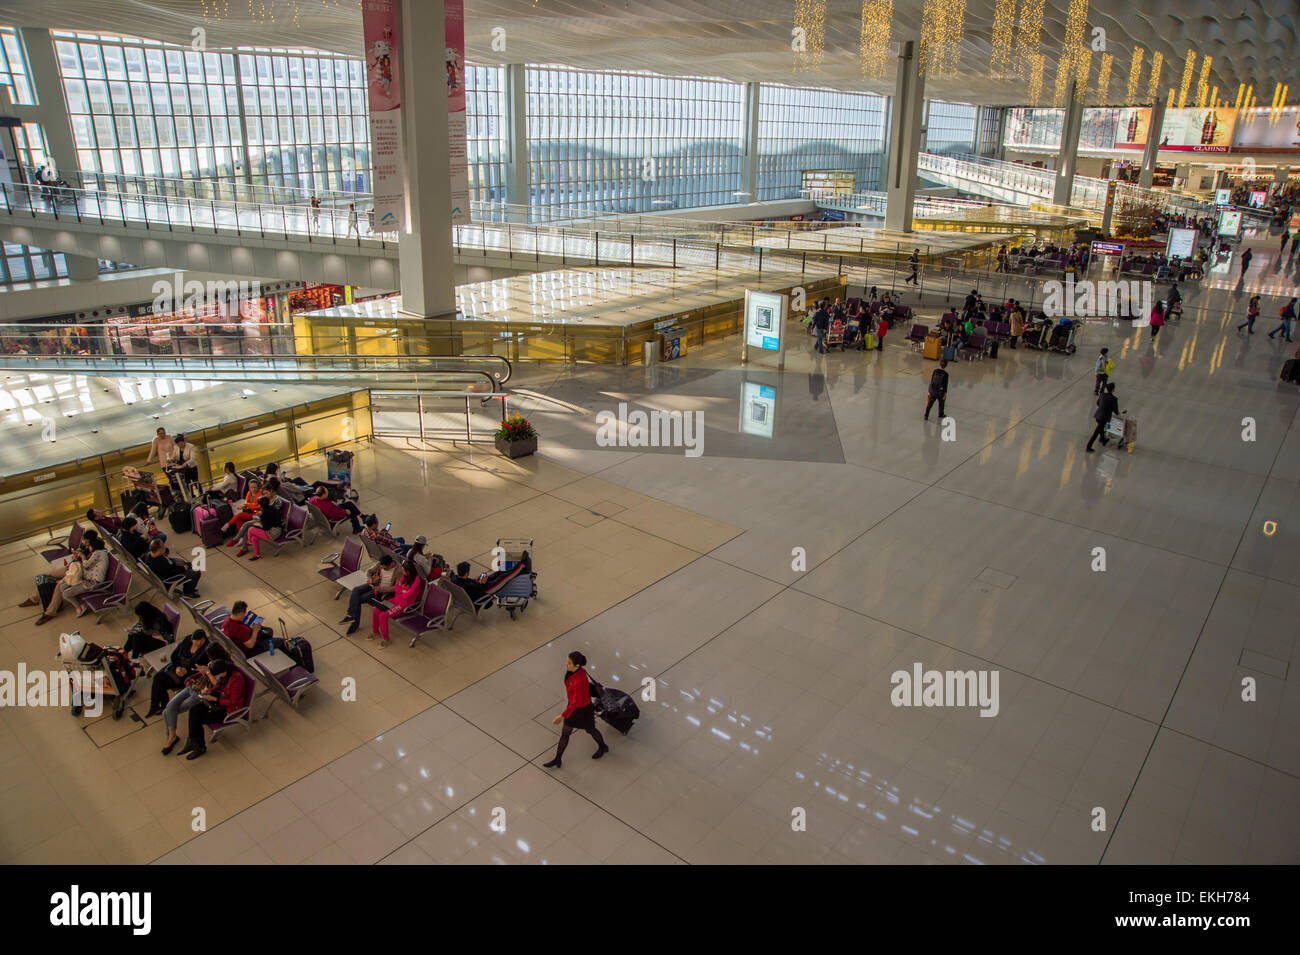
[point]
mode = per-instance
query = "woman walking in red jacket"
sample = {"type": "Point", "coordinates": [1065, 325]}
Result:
{"type": "Point", "coordinates": [579, 714]}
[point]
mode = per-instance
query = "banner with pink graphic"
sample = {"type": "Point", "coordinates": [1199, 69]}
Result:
{"type": "Point", "coordinates": [457, 159]}
{"type": "Point", "coordinates": [384, 93]}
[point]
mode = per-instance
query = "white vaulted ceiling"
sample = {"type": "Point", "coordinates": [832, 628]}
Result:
{"type": "Point", "coordinates": [1251, 41]}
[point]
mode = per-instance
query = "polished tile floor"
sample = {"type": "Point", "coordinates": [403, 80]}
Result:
{"type": "Point", "coordinates": [768, 590]}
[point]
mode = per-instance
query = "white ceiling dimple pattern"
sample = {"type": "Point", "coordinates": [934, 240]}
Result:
{"type": "Point", "coordinates": [1250, 41]}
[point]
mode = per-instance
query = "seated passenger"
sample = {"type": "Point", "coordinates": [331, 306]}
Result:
{"type": "Point", "coordinates": [405, 592]}
{"type": "Point", "coordinates": [372, 531]}
{"type": "Point", "coordinates": [87, 569]}
{"type": "Point", "coordinates": [149, 525]}
{"type": "Point", "coordinates": [228, 486]}
{"type": "Point", "coordinates": [229, 692]}
{"type": "Point", "coordinates": [187, 655]}
{"type": "Point", "coordinates": [381, 578]}
{"type": "Point", "coordinates": [247, 632]}
{"type": "Point", "coordinates": [132, 537]}
{"type": "Point", "coordinates": [268, 526]}
{"type": "Point", "coordinates": [199, 680]}
{"type": "Point", "coordinates": [250, 510]}
{"type": "Point", "coordinates": [335, 511]}
{"type": "Point", "coordinates": [478, 587]}
{"type": "Point", "coordinates": [151, 631]}
{"type": "Point", "coordinates": [104, 520]}
{"type": "Point", "coordinates": [166, 567]}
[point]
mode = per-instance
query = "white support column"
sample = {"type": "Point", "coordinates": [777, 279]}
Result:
{"type": "Point", "coordinates": [1068, 161]}
{"type": "Point", "coordinates": [904, 140]}
{"type": "Point", "coordinates": [749, 163]}
{"type": "Point", "coordinates": [516, 116]}
{"type": "Point", "coordinates": [425, 254]}
{"type": "Point", "coordinates": [1154, 135]}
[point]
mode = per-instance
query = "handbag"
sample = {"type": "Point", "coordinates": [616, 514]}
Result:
{"type": "Point", "coordinates": [73, 575]}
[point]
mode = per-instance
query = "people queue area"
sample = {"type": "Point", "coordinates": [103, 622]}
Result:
{"type": "Point", "coordinates": [113, 561]}
{"type": "Point", "coordinates": [977, 330]}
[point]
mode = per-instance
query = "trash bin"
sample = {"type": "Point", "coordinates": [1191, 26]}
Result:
{"type": "Point", "coordinates": [650, 353]}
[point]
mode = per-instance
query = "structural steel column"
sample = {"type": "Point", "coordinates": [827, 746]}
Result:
{"type": "Point", "coordinates": [1068, 162]}
{"type": "Point", "coordinates": [516, 109]}
{"type": "Point", "coordinates": [425, 250]}
{"type": "Point", "coordinates": [749, 162]}
{"type": "Point", "coordinates": [904, 140]}
{"type": "Point", "coordinates": [1154, 135]}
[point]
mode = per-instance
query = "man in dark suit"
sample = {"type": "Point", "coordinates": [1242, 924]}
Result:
{"type": "Point", "coordinates": [938, 390]}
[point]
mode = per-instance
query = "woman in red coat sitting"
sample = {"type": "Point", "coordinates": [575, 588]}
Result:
{"type": "Point", "coordinates": [579, 714]}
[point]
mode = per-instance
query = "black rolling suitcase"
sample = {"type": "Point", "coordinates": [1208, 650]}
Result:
{"type": "Point", "coordinates": [180, 518]}
{"type": "Point", "coordinates": [615, 707]}
{"type": "Point", "coordinates": [993, 348]}
{"type": "Point", "coordinates": [299, 650]}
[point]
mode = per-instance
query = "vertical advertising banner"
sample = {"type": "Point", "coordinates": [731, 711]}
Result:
{"type": "Point", "coordinates": [384, 92]}
{"type": "Point", "coordinates": [457, 161]}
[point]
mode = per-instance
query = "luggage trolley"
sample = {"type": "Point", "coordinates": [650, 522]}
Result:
{"type": "Point", "coordinates": [1124, 429]}
{"type": "Point", "coordinates": [338, 464]}
{"type": "Point", "coordinates": [516, 593]}
{"type": "Point", "coordinates": [105, 672]}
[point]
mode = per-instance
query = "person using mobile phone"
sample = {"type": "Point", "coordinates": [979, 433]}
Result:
{"type": "Point", "coordinates": [380, 535]}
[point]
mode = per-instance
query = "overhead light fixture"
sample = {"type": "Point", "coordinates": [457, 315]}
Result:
{"type": "Point", "coordinates": [1028, 37]}
{"type": "Point", "coordinates": [1103, 78]}
{"type": "Point", "coordinates": [809, 34]}
{"type": "Point", "coordinates": [1153, 81]}
{"type": "Point", "coordinates": [873, 40]}
{"type": "Point", "coordinates": [941, 33]}
{"type": "Point", "coordinates": [1036, 63]}
{"type": "Point", "coordinates": [1189, 64]}
{"type": "Point", "coordinates": [1004, 23]}
{"type": "Point", "coordinates": [1203, 85]}
{"type": "Point", "coordinates": [1134, 75]}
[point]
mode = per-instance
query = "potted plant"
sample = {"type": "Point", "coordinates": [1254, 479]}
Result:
{"type": "Point", "coordinates": [516, 437]}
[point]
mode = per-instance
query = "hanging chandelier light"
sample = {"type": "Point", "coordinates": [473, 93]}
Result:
{"type": "Point", "coordinates": [873, 48]}
{"type": "Point", "coordinates": [1189, 65]}
{"type": "Point", "coordinates": [1004, 23]}
{"type": "Point", "coordinates": [1028, 36]}
{"type": "Point", "coordinates": [1082, 69]}
{"type": "Point", "coordinates": [1036, 63]}
{"type": "Point", "coordinates": [941, 33]}
{"type": "Point", "coordinates": [1203, 84]}
{"type": "Point", "coordinates": [1103, 78]}
{"type": "Point", "coordinates": [1134, 75]}
{"type": "Point", "coordinates": [810, 34]}
{"type": "Point", "coordinates": [1153, 83]}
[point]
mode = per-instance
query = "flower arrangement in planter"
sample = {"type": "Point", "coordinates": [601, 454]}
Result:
{"type": "Point", "coordinates": [516, 437]}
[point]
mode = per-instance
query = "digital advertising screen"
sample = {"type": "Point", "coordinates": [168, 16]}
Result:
{"type": "Point", "coordinates": [1268, 131]}
{"type": "Point", "coordinates": [1230, 222]}
{"type": "Point", "coordinates": [1182, 243]}
{"type": "Point", "coordinates": [1195, 130]}
{"type": "Point", "coordinates": [1257, 199]}
{"type": "Point", "coordinates": [1223, 197]}
{"type": "Point", "coordinates": [764, 318]}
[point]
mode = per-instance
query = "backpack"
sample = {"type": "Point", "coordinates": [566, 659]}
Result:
{"type": "Point", "coordinates": [1107, 368]}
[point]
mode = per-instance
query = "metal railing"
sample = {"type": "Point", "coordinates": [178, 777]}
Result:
{"type": "Point", "coordinates": [185, 214]}
{"type": "Point", "coordinates": [221, 189]}
{"type": "Point", "coordinates": [471, 373]}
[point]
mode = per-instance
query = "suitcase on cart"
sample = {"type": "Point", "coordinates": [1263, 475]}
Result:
{"type": "Point", "coordinates": [178, 515]}
{"type": "Point", "coordinates": [931, 348]}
